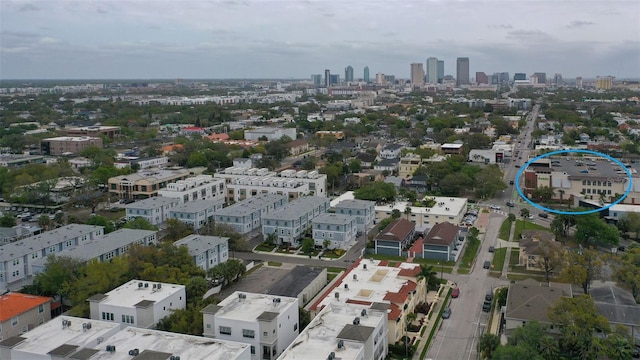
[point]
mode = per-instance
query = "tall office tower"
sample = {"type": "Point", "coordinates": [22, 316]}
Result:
{"type": "Point", "coordinates": [503, 77]}
{"type": "Point", "coordinates": [432, 70]}
{"type": "Point", "coordinates": [327, 78]}
{"type": "Point", "coordinates": [579, 82]}
{"type": "Point", "coordinates": [557, 79]}
{"type": "Point", "coordinates": [380, 78]}
{"type": "Point", "coordinates": [440, 70]}
{"type": "Point", "coordinates": [366, 74]}
{"type": "Point", "coordinates": [317, 79]}
{"type": "Point", "coordinates": [482, 78]}
{"type": "Point", "coordinates": [519, 76]}
{"type": "Point", "coordinates": [335, 79]}
{"type": "Point", "coordinates": [417, 74]}
{"type": "Point", "coordinates": [542, 77]}
{"type": "Point", "coordinates": [604, 82]}
{"type": "Point", "coordinates": [348, 74]}
{"type": "Point", "coordinates": [462, 71]}
{"type": "Point", "coordinates": [390, 79]}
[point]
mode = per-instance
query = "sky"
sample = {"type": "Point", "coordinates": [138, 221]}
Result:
{"type": "Point", "coordinates": [189, 39]}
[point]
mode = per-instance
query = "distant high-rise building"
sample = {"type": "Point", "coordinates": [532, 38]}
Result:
{"type": "Point", "coordinates": [417, 74]}
{"type": "Point", "coordinates": [440, 70]}
{"type": "Point", "coordinates": [432, 70]}
{"type": "Point", "coordinates": [348, 74]}
{"type": "Point", "coordinates": [327, 78]}
{"type": "Point", "coordinates": [390, 79]}
{"type": "Point", "coordinates": [500, 78]}
{"type": "Point", "coordinates": [541, 77]}
{"type": "Point", "coordinates": [482, 78]}
{"type": "Point", "coordinates": [579, 82]}
{"type": "Point", "coordinates": [380, 78]}
{"type": "Point", "coordinates": [366, 74]}
{"type": "Point", "coordinates": [335, 79]}
{"type": "Point", "coordinates": [604, 82]}
{"type": "Point", "coordinates": [317, 79]}
{"type": "Point", "coordinates": [519, 76]}
{"type": "Point", "coordinates": [557, 80]}
{"type": "Point", "coordinates": [462, 71]}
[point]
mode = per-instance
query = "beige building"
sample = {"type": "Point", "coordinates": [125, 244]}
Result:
{"type": "Point", "coordinates": [95, 131]}
{"type": "Point", "coordinates": [20, 313]}
{"type": "Point", "coordinates": [68, 145]}
{"type": "Point", "coordinates": [532, 248]}
{"type": "Point", "coordinates": [144, 184]}
{"type": "Point", "coordinates": [604, 82]}
{"type": "Point", "coordinates": [411, 162]}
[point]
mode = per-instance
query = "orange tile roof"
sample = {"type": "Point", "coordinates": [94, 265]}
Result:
{"type": "Point", "coordinates": [401, 296]}
{"type": "Point", "coordinates": [413, 272]}
{"type": "Point", "coordinates": [14, 304]}
{"type": "Point", "coordinates": [394, 313]}
{"type": "Point", "coordinates": [383, 263]}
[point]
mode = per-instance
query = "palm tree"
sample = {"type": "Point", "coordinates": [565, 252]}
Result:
{"type": "Point", "coordinates": [524, 212]}
{"type": "Point", "coordinates": [548, 347]}
{"type": "Point", "coordinates": [488, 344]}
{"type": "Point", "coordinates": [411, 317]}
{"type": "Point", "coordinates": [430, 277]}
{"type": "Point", "coordinates": [407, 211]}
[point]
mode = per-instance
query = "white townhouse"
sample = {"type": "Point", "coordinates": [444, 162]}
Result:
{"type": "Point", "coordinates": [246, 215]}
{"type": "Point", "coordinates": [391, 151]}
{"type": "Point", "coordinates": [138, 303]}
{"type": "Point", "coordinates": [196, 213]}
{"type": "Point", "coordinates": [268, 323]}
{"type": "Point", "coordinates": [363, 210]}
{"type": "Point", "coordinates": [155, 209]}
{"type": "Point", "coordinates": [201, 187]}
{"type": "Point", "coordinates": [292, 221]}
{"type": "Point", "coordinates": [340, 230]}
{"type": "Point", "coordinates": [17, 258]}
{"type": "Point", "coordinates": [206, 251]}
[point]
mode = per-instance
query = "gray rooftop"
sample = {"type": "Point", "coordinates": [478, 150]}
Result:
{"type": "Point", "coordinates": [603, 168]}
{"type": "Point", "coordinates": [251, 205]}
{"type": "Point", "coordinates": [63, 350]}
{"type": "Point", "coordinates": [295, 281]}
{"type": "Point", "coordinates": [297, 207]}
{"type": "Point", "coordinates": [151, 203]}
{"type": "Point", "coordinates": [198, 244]}
{"type": "Point", "coordinates": [12, 341]}
{"type": "Point", "coordinates": [153, 174]}
{"type": "Point", "coordinates": [267, 316]}
{"type": "Point", "coordinates": [355, 332]}
{"type": "Point", "coordinates": [334, 219]}
{"type": "Point", "coordinates": [84, 354]}
{"type": "Point", "coordinates": [152, 355]}
{"type": "Point", "coordinates": [355, 204]}
{"type": "Point", "coordinates": [211, 309]}
{"type": "Point", "coordinates": [529, 300]}
{"type": "Point", "coordinates": [103, 244]}
{"type": "Point", "coordinates": [196, 206]}
{"type": "Point", "coordinates": [38, 242]}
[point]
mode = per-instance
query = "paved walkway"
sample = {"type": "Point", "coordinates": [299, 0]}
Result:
{"type": "Point", "coordinates": [507, 258]}
{"type": "Point", "coordinates": [430, 323]}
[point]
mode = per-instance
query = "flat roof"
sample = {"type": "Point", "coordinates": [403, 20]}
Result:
{"type": "Point", "coordinates": [295, 281]}
{"type": "Point", "coordinates": [252, 306]}
{"type": "Point", "coordinates": [198, 244]}
{"type": "Point", "coordinates": [346, 196]}
{"type": "Point", "coordinates": [197, 205]}
{"type": "Point", "coordinates": [333, 323]}
{"type": "Point", "coordinates": [296, 208]}
{"type": "Point", "coordinates": [332, 218]}
{"type": "Point", "coordinates": [130, 294]}
{"type": "Point", "coordinates": [354, 204]}
{"type": "Point", "coordinates": [152, 202]}
{"type": "Point", "coordinates": [158, 174]}
{"type": "Point", "coordinates": [598, 169]}
{"type": "Point", "coordinates": [251, 205]}
{"type": "Point", "coordinates": [445, 206]}
{"type": "Point", "coordinates": [71, 138]}
{"type": "Point", "coordinates": [48, 238]}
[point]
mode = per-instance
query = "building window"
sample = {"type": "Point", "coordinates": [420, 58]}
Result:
{"type": "Point", "coordinates": [14, 321]}
{"type": "Point", "coordinates": [225, 330]}
{"type": "Point", "coordinates": [265, 334]}
{"type": "Point", "coordinates": [295, 326]}
{"type": "Point", "coordinates": [253, 350]}
{"type": "Point", "coordinates": [208, 326]}
{"type": "Point", "coordinates": [248, 333]}
{"type": "Point", "coordinates": [40, 309]}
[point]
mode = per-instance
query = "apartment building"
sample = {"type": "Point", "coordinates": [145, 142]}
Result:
{"type": "Point", "coordinates": [294, 219]}
{"type": "Point", "coordinates": [20, 313]}
{"type": "Point", "coordinates": [445, 209]}
{"type": "Point", "coordinates": [138, 303]}
{"type": "Point", "coordinates": [95, 131]}
{"type": "Point", "coordinates": [342, 331]}
{"type": "Point", "coordinates": [144, 184]}
{"type": "Point", "coordinates": [206, 251]}
{"type": "Point", "coordinates": [201, 187]}
{"type": "Point", "coordinates": [68, 145]}
{"type": "Point", "coordinates": [155, 210]}
{"type": "Point", "coordinates": [246, 215]}
{"type": "Point", "coordinates": [196, 213]}
{"type": "Point", "coordinates": [15, 161]}
{"type": "Point", "coordinates": [268, 323]}
{"type": "Point", "coordinates": [338, 230]}
{"type": "Point", "coordinates": [243, 183]}
{"type": "Point", "coordinates": [363, 210]}
{"type": "Point", "coordinates": [17, 258]}
{"type": "Point", "coordinates": [395, 290]}
{"type": "Point", "coordinates": [78, 338]}
{"type": "Point", "coordinates": [141, 163]}
{"type": "Point", "coordinates": [104, 248]}
{"type": "Point", "coordinates": [270, 133]}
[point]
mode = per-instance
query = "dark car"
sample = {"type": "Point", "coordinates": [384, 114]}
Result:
{"type": "Point", "coordinates": [455, 293]}
{"type": "Point", "coordinates": [446, 313]}
{"type": "Point", "coordinates": [543, 215]}
{"type": "Point", "coordinates": [511, 204]}
{"type": "Point", "coordinates": [492, 249]}
{"type": "Point", "coordinates": [486, 306]}
{"type": "Point", "coordinates": [518, 166]}
{"type": "Point", "coordinates": [511, 182]}
{"type": "Point", "coordinates": [487, 264]}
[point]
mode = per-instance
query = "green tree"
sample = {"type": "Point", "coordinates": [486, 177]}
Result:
{"type": "Point", "coordinates": [524, 212]}
{"type": "Point", "coordinates": [196, 287]}
{"type": "Point", "coordinates": [488, 181]}
{"type": "Point", "coordinates": [430, 277]}
{"type": "Point", "coordinates": [407, 212]}
{"type": "Point", "coordinates": [542, 194]}
{"type": "Point", "coordinates": [237, 241]}
{"type": "Point", "coordinates": [101, 221]}
{"type": "Point", "coordinates": [561, 224]}
{"type": "Point", "coordinates": [548, 348]}
{"type": "Point", "coordinates": [511, 218]}
{"type": "Point", "coordinates": [177, 230]}
{"type": "Point", "coordinates": [550, 253]}
{"type": "Point", "coordinates": [582, 268]}
{"type": "Point", "coordinates": [590, 229]}
{"type": "Point", "coordinates": [630, 223]}
{"type": "Point", "coordinates": [307, 246]}
{"type": "Point", "coordinates": [304, 317]}
{"type": "Point", "coordinates": [140, 223]}
{"type": "Point", "coordinates": [59, 275]}
{"type": "Point", "coordinates": [627, 271]}
{"type": "Point", "coordinates": [355, 166]}
{"type": "Point", "coordinates": [44, 221]}
{"type": "Point", "coordinates": [376, 191]}
{"type": "Point", "coordinates": [395, 214]}
{"type": "Point", "coordinates": [7, 220]}
{"type": "Point", "coordinates": [487, 345]}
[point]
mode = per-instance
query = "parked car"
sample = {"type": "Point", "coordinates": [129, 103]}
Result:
{"type": "Point", "coordinates": [455, 293]}
{"type": "Point", "coordinates": [486, 306]}
{"type": "Point", "coordinates": [488, 296]}
{"type": "Point", "coordinates": [446, 313]}
{"type": "Point", "coordinates": [511, 182]}
{"type": "Point", "coordinates": [494, 207]}
{"type": "Point", "coordinates": [543, 215]}
{"type": "Point", "coordinates": [511, 204]}
{"type": "Point", "coordinates": [492, 249]}
{"type": "Point", "coordinates": [487, 264]}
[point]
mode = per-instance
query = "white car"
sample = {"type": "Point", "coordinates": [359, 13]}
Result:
{"type": "Point", "coordinates": [495, 207]}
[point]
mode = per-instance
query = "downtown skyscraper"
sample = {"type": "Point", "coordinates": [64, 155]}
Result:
{"type": "Point", "coordinates": [417, 74]}
{"type": "Point", "coordinates": [462, 71]}
{"type": "Point", "coordinates": [366, 74]}
{"type": "Point", "coordinates": [432, 70]}
{"type": "Point", "coordinates": [348, 74]}
{"type": "Point", "coordinates": [440, 71]}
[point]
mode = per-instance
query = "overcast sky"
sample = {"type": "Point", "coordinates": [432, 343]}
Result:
{"type": "Point", "coordinates": [169, 39]}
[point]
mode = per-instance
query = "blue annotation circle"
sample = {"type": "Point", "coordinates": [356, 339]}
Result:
{"type": "Point", "coordinates": [554, 211]}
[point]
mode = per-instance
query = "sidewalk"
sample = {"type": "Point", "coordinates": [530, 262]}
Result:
{"type": "Point", "coordinates": [507, 258]}
{"type": "Point", "coordinates": [435, 318]}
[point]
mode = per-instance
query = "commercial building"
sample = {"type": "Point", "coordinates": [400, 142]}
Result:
{"type": "Point", "coordinates": [155, 210]}
{"type": "Point", "coordinates": [604, 82]}
{"type": "Point", "coordinates": [15, 161]}
{"type": "Point", "coordinates": [342, 331]}
{"type": "Point", "coordinates": [366, 75]}
{"type": "Point", "coordinates": [20, 313]}
{"type": "Point", "coordinates": [269, 324]}
{"type": "Point", "coordinates": [94, 131]}
{"type": "Point", "coordinates": [269, 133]}
{"type": "Point", "coordinates": [138, 303]}
{"type": "Point", "coordinates": [201, 187]}
{"type": "Point", "coordinates": [196, 213]}
{"type": "Point", "coordinates": [440, 71]}
{"type": "Point", "coordinates": [445, 209]}
{"type": "Point", "coordinates": [417, 74]}
{"type": "Point", "coordinates": [316, 79]}
{"type": "Point", "coordinates": [144, 184]}
{"type": "Point", "coordinates": [395, 290]}
{"type": "Point", "coordinates": [462, 71]}
{"type": "Point", "coordinates": [77, 338]}
{"type": "Point", "coordinates": [292, 221]}
{"type": "Point", "coordinates": [17, 258]}
{"type": "Point", "coordinates": [246, 215]}
{"type": "Point", "coordinates": [348, 74]}
{"type": "Point", "coordinates": [337, 230]}
{"type": "Point", "coordinates": [482, 78]}
{"type": "Point", "coordinates": [68, 145]}
{"type": "Point", "coordinates": [363, 210]}
{"type": "Point", "coordinates": [206, 251]}
{"type": "Point", "coordinates": [141, 163]}
{"type": "Point", "coordinates": [432, 70]}
{"type": "Point", "coordinates": [327, 78]}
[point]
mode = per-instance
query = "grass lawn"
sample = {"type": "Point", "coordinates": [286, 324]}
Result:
{"type": "Point", "coordinates": [463, 271]}
{"type": "Point", "coordinates": [505, 228]}
{"type": "Point", "coordinates": [265, 247]}
{"type": "Point", "coordinates": [330, 255]}
{"type": "Point", "coordinates": [330, 276]}
{"type": "Point", "coordinates": [515, 257]}
{"type": "Point", "coordinates": [386, 257]}
{"type": "Point", "coordinates": [498, 259]}
{"type": "Point", "coordinates": [284, 251]}
{"type": "Point", "coordinates": [433, 262]}
{"type": "Point", "coordinates": [486, 211]}
{"type": "Point", "coordinates": [470, 252]}
{"type": "Point", "coordinates": [524, 277]}
{"type": "Point", "coordinates": [253, 269]}
{"type": "Point", "coordinates": [334, 269]}
{"type": "Point", "coordinates": [527, 226]}
{"type": "Point", "coordinates": [274, 263]}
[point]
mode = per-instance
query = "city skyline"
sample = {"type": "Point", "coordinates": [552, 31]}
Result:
{"type": "Point", "coordinates": [291, 39]}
